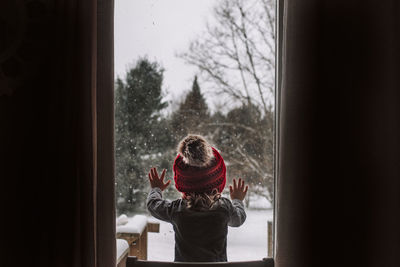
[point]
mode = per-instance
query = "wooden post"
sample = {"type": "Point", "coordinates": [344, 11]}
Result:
{"type": "Point", "coordinates": [134, 247]}
{"type": "Point", "coordinates": [138, 246]}
{"type": "Point", "coordinates": [143, 245]}
{"type": "Point", "coordinates": [153, 227]}
{"type": "Point", "coordinates": [270, 239]}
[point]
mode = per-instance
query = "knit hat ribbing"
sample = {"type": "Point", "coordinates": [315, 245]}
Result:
{"type": "Point", "coordinates": [198, 167]}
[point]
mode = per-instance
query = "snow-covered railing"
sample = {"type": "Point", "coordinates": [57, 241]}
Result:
{"type": "Point", "coordinates": [134, 231]}
{"type": "Point", "coordinates": [122, 252]}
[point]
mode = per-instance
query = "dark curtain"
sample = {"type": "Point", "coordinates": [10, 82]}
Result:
{"type": "Point", "coordinates": [338, 171]}
{"type": "Point", "coordinates": [57, 147]}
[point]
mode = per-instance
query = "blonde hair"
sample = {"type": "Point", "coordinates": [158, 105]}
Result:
{"type": "Point", "coordinates": [202, 201]}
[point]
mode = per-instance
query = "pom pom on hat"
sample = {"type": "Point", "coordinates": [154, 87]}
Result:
{"type": "Point", "coordinates": [198, 167]}
{"type": "Point", "coordinates": [195, 151]}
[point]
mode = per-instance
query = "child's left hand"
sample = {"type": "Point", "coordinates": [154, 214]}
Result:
{"type": "Point", "coordinates": [156, 181]}
{"type": "Point", "coordinates": [238, 191]}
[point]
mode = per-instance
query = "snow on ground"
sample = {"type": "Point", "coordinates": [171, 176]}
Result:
{"type": "Point", "coordinates": [247, 242]}
{"type": "Point", "coordinates": [258, 202]}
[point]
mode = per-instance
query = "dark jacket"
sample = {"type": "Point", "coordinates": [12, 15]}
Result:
{"type": "Point", "coordinates": [199, 235]}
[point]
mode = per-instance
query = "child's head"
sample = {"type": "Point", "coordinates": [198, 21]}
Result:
{"type": "Point", "coordinates": [198, 167]}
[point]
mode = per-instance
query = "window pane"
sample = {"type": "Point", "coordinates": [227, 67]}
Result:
{"type": "Point", "coordinates": [205, 67]}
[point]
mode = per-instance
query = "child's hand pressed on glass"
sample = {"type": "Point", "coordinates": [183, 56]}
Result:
{"type": "Point", "coordinates": [238, 191]}
{"type": "Point", "coordinates": [156, 181]}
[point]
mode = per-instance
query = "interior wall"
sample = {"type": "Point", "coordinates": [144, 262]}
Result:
{"type": "Point", "coordinates": [56, 170]}
{"type": "Point", "coordinates": [339, 151]}
{"type": "Point", "coordinates": [30, 193]}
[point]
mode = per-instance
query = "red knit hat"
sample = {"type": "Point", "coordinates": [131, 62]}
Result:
{"type": "Point", "coordinates": [198, 166]}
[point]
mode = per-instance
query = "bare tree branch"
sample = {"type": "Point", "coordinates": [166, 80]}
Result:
{"type": "Point", "coordinates": [236, 58]}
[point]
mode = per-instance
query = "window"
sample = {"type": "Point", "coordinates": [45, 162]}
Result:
{"type": "Point", "coordinates": [203, 67]}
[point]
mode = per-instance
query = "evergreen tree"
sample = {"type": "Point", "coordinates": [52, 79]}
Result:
{"type": "Point", "coordinates": [192, 115]}
{"type": "Point", "coordinates": [138, 129]}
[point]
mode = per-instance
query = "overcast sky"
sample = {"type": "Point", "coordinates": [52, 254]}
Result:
{"type": "Point", "coordinates": [159, 29]}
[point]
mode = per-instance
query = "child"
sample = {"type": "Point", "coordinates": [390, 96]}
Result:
{"type": "Point", "coordinates": [201, 217]}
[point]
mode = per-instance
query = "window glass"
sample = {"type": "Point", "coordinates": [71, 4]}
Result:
{"type": "Point", "coordinates": [205, 67]}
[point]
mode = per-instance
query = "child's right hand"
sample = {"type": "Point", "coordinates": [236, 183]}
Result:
{"type": "Point", "coordinates": [156, 181]}
{"type": "Point", "coordinates": [238, 191]}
